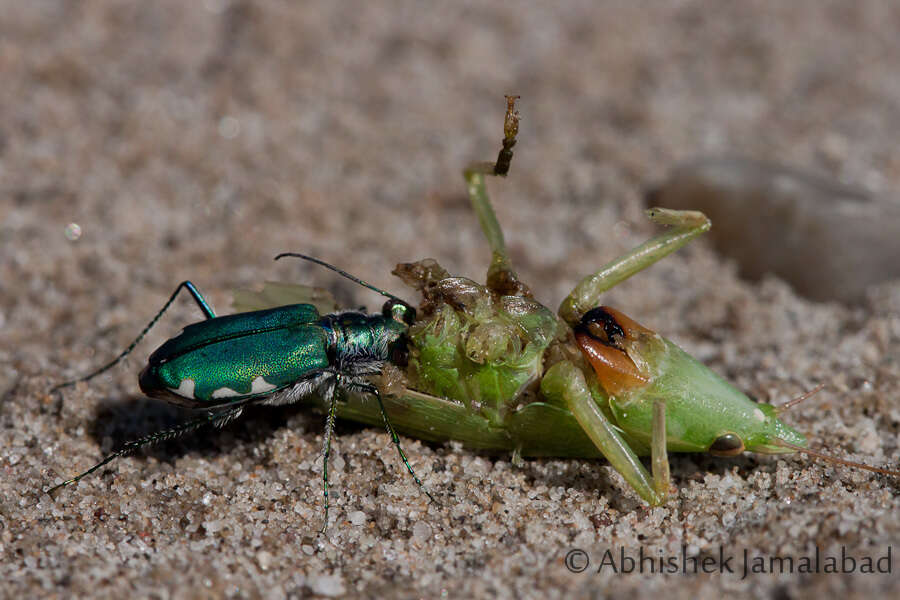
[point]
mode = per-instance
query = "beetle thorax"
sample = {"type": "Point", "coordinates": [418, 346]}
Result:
{"type": "Point", "coordinates": [359, 343]}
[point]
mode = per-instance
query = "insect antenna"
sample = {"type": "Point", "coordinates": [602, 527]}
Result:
{"type": "Point", "coordinates": [792, 403]}
{"type": "Point", "coordinates": [342, 272]}
{"type": "Point", "coordinates": [834, 459]}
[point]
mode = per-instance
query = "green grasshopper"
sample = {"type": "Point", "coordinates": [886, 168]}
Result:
{"type": "Point", "coordinates": [492, 368]}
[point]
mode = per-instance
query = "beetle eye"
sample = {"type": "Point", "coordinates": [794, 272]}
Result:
{"type": "Point", "coordinates": [602, 326]}
{"type": "Point", "coordinates": [727, 445]}
{"type": "Point", "coordinates": [399, 311]}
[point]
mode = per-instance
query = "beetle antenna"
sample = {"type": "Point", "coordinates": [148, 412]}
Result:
{"type": "Point", "coordinates": [834, 459]}
{"type": "Point", "coordinates": [792, 403]}
{"type": "Point", "coordinates": [341, 272]}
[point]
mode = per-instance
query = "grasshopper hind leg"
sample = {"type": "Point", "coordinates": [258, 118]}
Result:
{"type": "Point", "coordinates": [565, 382]}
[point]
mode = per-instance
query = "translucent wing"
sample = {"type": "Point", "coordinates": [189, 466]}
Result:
{"type": "Point", "coordinates": [274, 294]}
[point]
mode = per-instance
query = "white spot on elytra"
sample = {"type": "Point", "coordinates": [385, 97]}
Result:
{"type": "Point", "coordinates": [760, 416]}
{"type": "Point", "coordinates": [260, 386]}
{"type": "Point", "coordinates": [185, 388]}
{"type": "Point", "coordinates": [225, 392]}
{"type": "Point", "coordinates": [257, 386]}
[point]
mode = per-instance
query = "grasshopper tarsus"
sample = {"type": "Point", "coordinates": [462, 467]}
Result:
{"type": "Point", "coordinates": [510, 131]}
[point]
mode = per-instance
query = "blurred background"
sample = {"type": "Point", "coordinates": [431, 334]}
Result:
{"type": "Point", "coordinates": [190, 140]}
{"type": "Point", "coordinates": [145, 143]}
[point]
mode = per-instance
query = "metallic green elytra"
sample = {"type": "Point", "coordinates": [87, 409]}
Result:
{"type": "Point", "coordinates": [238, 357]}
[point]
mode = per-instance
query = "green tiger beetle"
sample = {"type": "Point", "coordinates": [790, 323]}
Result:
{"type": "Point", "coordinates": [485, 365]}
{"type": "Point", "coordinates": [269, 357]}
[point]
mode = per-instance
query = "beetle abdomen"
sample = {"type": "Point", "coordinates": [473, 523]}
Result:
{"type": "Point", "coordinates": [233, 358]}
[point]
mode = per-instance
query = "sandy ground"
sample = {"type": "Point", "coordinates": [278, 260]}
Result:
{"type": "Point", "coordinates": [197, 140]}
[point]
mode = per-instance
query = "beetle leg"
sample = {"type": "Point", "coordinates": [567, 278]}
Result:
{"type": "Point", "coordinates": [371, 389]}
{"type": "Point", "coordinates": [195, 294]}
{"type": "Point", "coordinates": [330, 397]}
{"type": "Point", "coordinates": [217, 418]}
{"type": "Point", "coordinates": [566, 382]}
{"type": "Point", "coordinates": [687, 224]}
